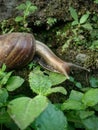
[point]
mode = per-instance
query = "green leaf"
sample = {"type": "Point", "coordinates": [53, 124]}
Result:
{"type": "Point", "coordinates": [85, 114]}
{"type": "Point", "coordinates": [4, 117]}
{"type": "Point", "coordinates": [78, 85]}
{"type": "Point", "coordinates": [21, 7]}
{"type": "Point", "coordinates": [3, 67]}
{"type": "Point", "coordinates": [3, 96]}
{"type": "Point", "coordinates": [94, 45]}
{"type": "Point", "coordinates": [84, 18]}
{"type": "Point", "coordinates": [14, 82]}
{"type": "Point", "coordinates": [96, 107]}
{"type": "Point", "coordinates": [32, 9]}
{"type": "Point", "coordinates": [28, 3]}
{"type": "Point", "coordinates": [91, 123]}
{"type": "Point", "coordinates": [39, 83]}
{"type": "Point", "coordinates": [51, 21]}
{"type": "Point", "coordinates": [25, 110]}
{"type": "Point", "coordinates": [26, 13]}
{"type": "Point", "coordinates": [87, 26]}
{"type": "Point", "coordinates": [57, 89]}
{"type": "Point", "coordinates": [74, 102]}
{"type": "Point", "coordinates": [73, 13]}
{"type": "Point", "coordinates": [56, 78]}
{"type": "Point", "coordinates": [75, 95]}
{"type": "Point", "coordinates": [90, 98]}
{"type": "Point", "coordinates": [94, 82]}
{"type": "Point", "coordinates": [51, 119]}
{"type": "Point", "coordinates": [19, 19]}
{"type": "Point", "coordinates": [75, 23]}
{"type": "Point", "coordinates": [5, 78]}
{"type": "Point", "coordinates": [72, 105]}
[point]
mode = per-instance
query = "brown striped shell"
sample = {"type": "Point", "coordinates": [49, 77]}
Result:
{"type": "Point", "coordinates": [16, 49]}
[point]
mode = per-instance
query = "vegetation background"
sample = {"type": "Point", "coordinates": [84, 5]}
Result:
{"type": "Point", "coordinates": [35, 99]}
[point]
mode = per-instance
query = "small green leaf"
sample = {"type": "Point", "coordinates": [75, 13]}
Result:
{"type": "Point", "coordinates": [72, 79]}
{"type": "Point", "coordinates": [32, 9]}
{"type": "Point", "coordinates": [26, 13]}
{"type": "Point", "coordinates": [3, 67]}
{"type": "Point", "coordinates": [91, 123]}
{"type": "Point", "coordinates": [74, 102]}
{"type": "Point", "coordinates": [25, 110]}
{"type": "Point", "coordinates": [3, 96]}
{"type": "Point", "coordinates": [19, 19]}
{"type": "Point", "coordinates": [4, 117]}
{"type": "Point", "coordinates": [72, 105]}
{"type": "Point", "coordinates": [21, 7]}
{"type": "Point", "coordinates": [84, 18]}
{"type": "Point", "coordinates": [75, 23]}
{"type": "Point", "coordinates": [94, 45]}
{"type": "Point", "coordinates": [51, 119]}
{"type": "Point", "coordinates": [87, 26]}
{"type": "Point", "coordinates": [56, 78]}
{"type": "Point", "coordinates": [14, 82]}
{"type": "Point", "coordinates": [78, 85]}
{"type": "Point", "coordinates": [5, 78]}
{"type": "Point", "coordinates": [73, 13]}
{"type": "Point", "coordinates": [85, 114]}
{"type": "Point", "coordinates": [57, 89]}
{"type": "Point", "coordinates": [51, 21]}
{"type": "Point", "coordinates": [75, 95]}
{"type": "Point", "coordinates": [94, 82]}
{"type": "Point", "coordinates": [28, 3]}
{"type": "Point", "coordinates": [90, 98]}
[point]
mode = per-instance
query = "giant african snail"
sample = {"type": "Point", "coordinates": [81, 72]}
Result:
{"type": "Point", "coordinates": [18, 49]}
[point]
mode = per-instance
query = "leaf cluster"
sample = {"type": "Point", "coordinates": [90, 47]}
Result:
{"type": "Point", "coordinates": [24, 112]}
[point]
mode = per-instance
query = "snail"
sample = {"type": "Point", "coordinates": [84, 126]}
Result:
{"type": "Point", "coordinates": [18, 49]}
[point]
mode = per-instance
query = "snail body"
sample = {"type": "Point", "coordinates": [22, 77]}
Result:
{"type": "Point", "coordinates": [18, 49]}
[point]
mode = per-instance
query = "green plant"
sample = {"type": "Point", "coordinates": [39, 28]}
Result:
{"type": "Point", "coordinates": [78, 25]}
{"type": "Point", "coordinates": [38, 107]}
{"type": "Point", "coordinates": [8, 84]}
{"type": "Point", "coordinates": [51, 21]}
{"type": "Point", "coordinates": [96, 1]}
{"type": "Point", "coordinates": [8, 80]}
{"type": "Point", "coordinates": [93, 82]}
{"type": "Point", "coordinates": [78, 111]}
{"type": "Point", "coordinates": [76, 33]}
{"type": "Point", "coordinates": [5, 28]}
{"type": "Point", "coordinates": [26, 8]}
{"type": "Point", "coordinates": [32, 112]}
{"type": "Point", "coordinates": [82, 21]}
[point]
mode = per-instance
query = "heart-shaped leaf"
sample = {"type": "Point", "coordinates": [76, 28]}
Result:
{"type": "Point", "coordinates": [25, 110]}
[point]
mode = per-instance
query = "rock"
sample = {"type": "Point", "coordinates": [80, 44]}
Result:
{"type": "Point", "coordinates": [81, 58]}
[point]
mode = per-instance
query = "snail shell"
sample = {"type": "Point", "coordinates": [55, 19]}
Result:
{"type": "Point", "coordinates": [16, 49]}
